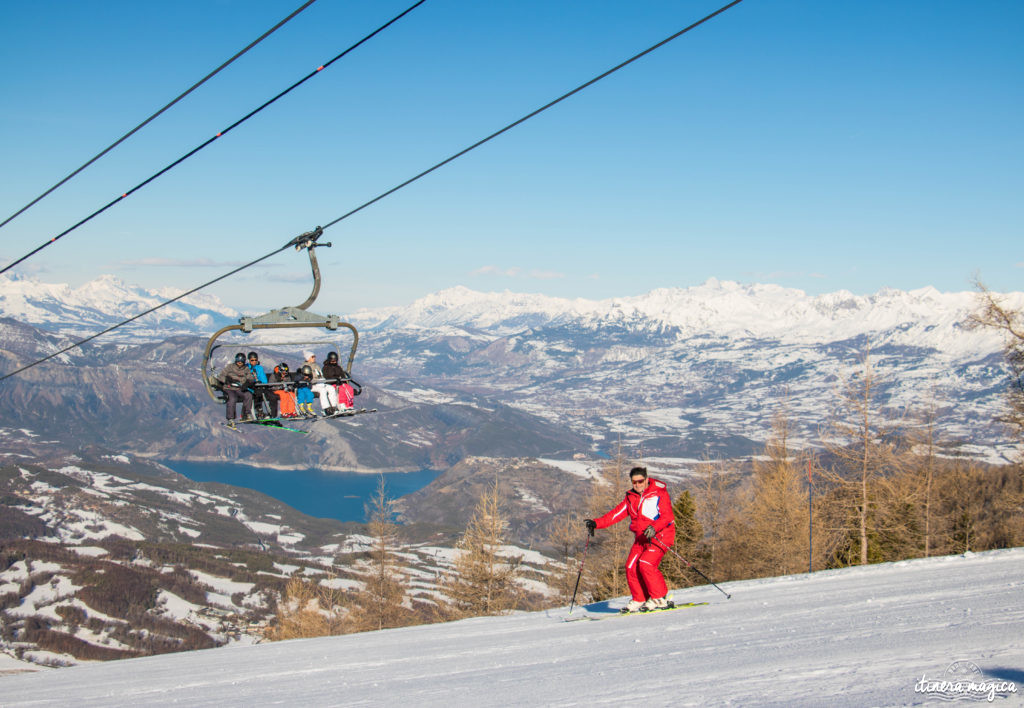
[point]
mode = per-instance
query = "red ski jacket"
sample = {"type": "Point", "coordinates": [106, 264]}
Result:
{"type": "Point", "coordinates": [652, 507]}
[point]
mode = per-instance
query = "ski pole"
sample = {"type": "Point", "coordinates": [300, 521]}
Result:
{"type": "Point", "coordinates": [690, 566]}
{"type": "Point", "coordinates": [579, 574]}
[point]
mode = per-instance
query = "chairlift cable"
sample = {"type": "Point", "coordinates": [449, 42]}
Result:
{"type": "Point", "coordinates": [528, 116]}
{"type": "Point", "coordinates": [158, 113]}
{"type": "Point", "coordinates": [146, 312]}
{"type": "Point", "coordinates": [220, 134]}
{"type": "Point", "coordinates": [293, 242]}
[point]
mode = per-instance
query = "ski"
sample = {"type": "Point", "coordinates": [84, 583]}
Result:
{"type": "Point", "coordinates": [597, 618]}
{"type": "Point", "coordinates": [273, 423]}
{"type": "Point", "coordinates": [348, 413]}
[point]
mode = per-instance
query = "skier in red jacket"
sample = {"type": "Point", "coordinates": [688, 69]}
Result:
{"type": "Point", "coordinates": [649, 508]}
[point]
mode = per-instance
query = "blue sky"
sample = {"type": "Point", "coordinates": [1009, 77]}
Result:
{"type": "Point", "coordinates": [817, 145]}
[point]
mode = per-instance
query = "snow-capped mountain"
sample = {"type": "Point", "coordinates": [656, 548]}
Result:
{"type": "Point", "coordinates": [720, 308]}
{"type": "Point", "coordinates": [676, 371]}
{"type": "Point", "coordinates": [700, 369]}
{"type": "Point", "coordinates": [106, 301]}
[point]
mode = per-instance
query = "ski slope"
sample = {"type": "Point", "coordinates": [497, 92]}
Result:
{"type": "Point", "coordinates": [854, 637]}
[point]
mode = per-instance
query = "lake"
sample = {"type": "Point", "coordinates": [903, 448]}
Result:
{"type": "Point", "coordinates": [329, 495]}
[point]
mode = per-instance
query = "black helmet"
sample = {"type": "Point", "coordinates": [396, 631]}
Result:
{"type": "Point", "coordinates": [306, 370]}
{"type": "Point", "coordinates": [332, 356]}
{"type": "Point", "coordinates": [254, 355]}
{"type": "Point", "coordinates": [239, 357]}
{"type": "Point", "coordinates": [282, 366]}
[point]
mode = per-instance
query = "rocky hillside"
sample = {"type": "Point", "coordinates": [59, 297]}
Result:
{"type": "Point", "coordinates": [148, 399]}
{"type": "Point", "coordinates": [104, 555]}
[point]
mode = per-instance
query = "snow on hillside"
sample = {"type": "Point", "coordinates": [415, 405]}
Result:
{"type": "Point", "coordinates": [888, 634]}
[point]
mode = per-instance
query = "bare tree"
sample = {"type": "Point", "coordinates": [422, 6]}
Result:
{"type": "Point", "coordinates": [567, 537]}
{"type": "Point", "coordinates": [924, 450]}
{"type": "Point", "coordinates": [993, 313]}
{"type": "Point", "coordinates": [862, 443]}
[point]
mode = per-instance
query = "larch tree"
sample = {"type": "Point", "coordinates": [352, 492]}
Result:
{"type": "Point", "coordinates": [862, 444]}
{"type": "Point", "coordinates": [605, 574]}
{"type": "Point", "coordinates": [484, 580]}
{"type": "Point", "coordinates": [771, 534]}
{"type": "Point", "coordinates": [382, 601]}
{"type": "Point", "coordinates": [713, 499]}
{"type": "Point", "coordinates": [567, 538]}
{"type": "Point", "coordinates": [308, 608]}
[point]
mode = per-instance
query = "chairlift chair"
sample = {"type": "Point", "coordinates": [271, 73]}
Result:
{"type": "Point", "coordinates": [296, 317]}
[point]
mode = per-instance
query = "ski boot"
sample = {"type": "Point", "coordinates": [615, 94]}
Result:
{"type": "Point", "coordinates": [633, 606]}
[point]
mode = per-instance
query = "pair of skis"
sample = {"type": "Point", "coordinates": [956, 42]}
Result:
{"type": "Point", "coordinates": [276, 423]}
{"type": "Point", "coordinates": [621, 613]}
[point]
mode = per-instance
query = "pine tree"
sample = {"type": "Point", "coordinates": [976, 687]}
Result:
{"type": "Point", "coordinates": [689, 533]}
{"type": "Point", "coordinates": [774, 534]}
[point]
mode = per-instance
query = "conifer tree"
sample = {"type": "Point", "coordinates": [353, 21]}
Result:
{"type": "Point", "coordinates": [863, 447]}
{"type": "Point", "coordinates": [484, 578]}
{"type": "Point", "coordinates": [605, 574]}
{"type": "Point", "coordinates": [713, 499]}
{"type": "Point", "coordinates": [381, 602]}
{"type": "Point", "coordinates": [307, 609]}
{"type": "Point", "coordinates": [689, 534]}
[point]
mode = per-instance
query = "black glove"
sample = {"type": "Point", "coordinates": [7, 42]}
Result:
{"type": "Point", "coordinates": [649, 532]}
{"type": "Point", "coordinates": [591, 526]}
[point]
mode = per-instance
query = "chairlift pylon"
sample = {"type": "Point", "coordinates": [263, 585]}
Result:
{"type": "Point", "coordinates": [296, 317]}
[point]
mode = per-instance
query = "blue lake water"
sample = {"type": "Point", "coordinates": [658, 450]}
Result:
{"type": "Point", "coordinates": [329, 495]}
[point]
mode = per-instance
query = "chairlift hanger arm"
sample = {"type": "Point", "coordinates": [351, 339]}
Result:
{"type": "Point", "coordinates": [308, 241]}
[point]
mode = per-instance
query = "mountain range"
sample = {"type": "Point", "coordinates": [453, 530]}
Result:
{"type": "Point", "coordinates": [681, 372]}
{"type": "Point", "coordinates": [106, 301]}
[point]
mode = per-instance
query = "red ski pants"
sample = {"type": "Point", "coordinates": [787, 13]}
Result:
{"type": "Point", "coordinates": [642, 575]}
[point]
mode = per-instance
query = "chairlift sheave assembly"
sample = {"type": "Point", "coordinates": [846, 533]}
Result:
{"type": "Point", "coordinates": [297, 317]}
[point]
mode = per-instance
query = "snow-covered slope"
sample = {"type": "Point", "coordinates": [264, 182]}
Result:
{"type": "Point", "coordinates": [878, 635]}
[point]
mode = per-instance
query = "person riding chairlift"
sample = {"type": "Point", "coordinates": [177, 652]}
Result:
{"type": "Point", "coordinates": [236, 380]}
{"type": "Point", "coordinates": [335, 376]}
{"type": "Point", "coordinates": [283, 388]}
{"type": "Point", "coordinates": [266, 402]}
